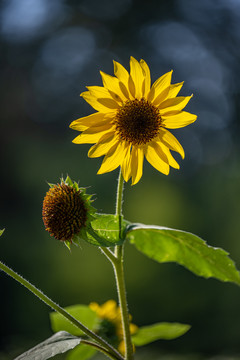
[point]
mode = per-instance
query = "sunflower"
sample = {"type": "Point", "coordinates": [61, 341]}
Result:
{"type": "Point", "coordinates": [67, 211]}
{"type": "Point", "coordinates": [132, 119]}
{"type": "Point", "coordinates": [110, 323]}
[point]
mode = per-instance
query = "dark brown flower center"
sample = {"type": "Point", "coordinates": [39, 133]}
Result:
{"type": "Point", "coordinates": [138, 121]}
{"type": "Point", "coordinates": [64, 212]}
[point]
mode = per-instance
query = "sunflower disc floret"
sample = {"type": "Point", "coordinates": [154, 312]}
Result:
{"type": "Point", "coordinates": [67, 210]}
{"type": "Point", "coordinates": [132, 120]}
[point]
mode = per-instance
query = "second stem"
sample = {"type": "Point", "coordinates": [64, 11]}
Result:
{"type": "Point", "coordinates": [119, 275]}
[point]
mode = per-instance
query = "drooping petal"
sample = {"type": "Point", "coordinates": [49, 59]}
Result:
{"type": "Point", "coordinates": [137, 157]}
{"type": "Point", "coordinates": [175, 104]}
{"type": "Point", "coordinates": [114, 158]}
{"type": "Point", "coordinates": [85, 122]}
{"type": "Point", "coordinates": [103, 146]}
{"type": "Point", "coordinates": [170, 159]}
{"type": "Point", "coordinates": [112, 84]}
{"type": "Point", "coordinates": [126, 165]}
{"type": "Point", "coordinates": [159, 89]}
{"type": "Point", "coordinates": [103, 105]}
{"type": "Point", "coordinates": [174, 89]}
{"type": "Point", "coordinates": [179, 120]}
{"type": "Point", "coordinates": [170, 141]}
{"type": "Point", "coordinates": [147, 77]}
{"type": "Point", "coordinates": [153, 157]}
{"type": "Point", "coordinates": [136, 73]}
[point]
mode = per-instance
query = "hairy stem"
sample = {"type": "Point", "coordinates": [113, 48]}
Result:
{"type": "Point", "coordinates": [99, 348]}
{"type": "Point", "coordinates": [107, 347]}
{"type": "Point", "coordinates": [119, 274]}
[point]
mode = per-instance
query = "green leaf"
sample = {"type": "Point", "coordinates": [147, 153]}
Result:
{"type": "Point", "coordinates": [1, 232]}
{"type": "Point", "coordinates": [170, 245]}
{"type": "Point", "coordinates": [164, 331]}
{"type": "Point", "coordinates": [81, 312]}
{"type": "Point", "coordinates": [81, 352]}
{"type": "Point", "coordinates": [106, 228]}
{"type": "Point", "coordinates": [57, 344]}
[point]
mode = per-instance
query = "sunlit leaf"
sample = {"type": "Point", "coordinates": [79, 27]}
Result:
{"type": "Point", "coordinates": [107, 228]}
{"type": "Point", "coordinates": [81, 352]}
{"type": "Point", "coordinates": [1, 232]}
{"type": "Point", "coordinates": [57, 344]}
{"type": "Point", "coordinates": [81, 312]}
{"type": "Point", "coordinates": [170, 245]}
{"type": "Point", "coordinates": [164, 331]}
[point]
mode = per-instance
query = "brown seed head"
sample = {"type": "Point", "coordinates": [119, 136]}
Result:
{"type": "Point", "coordinates": [138, 121]}
{"type": "Point", "coordinates": [64, 212]}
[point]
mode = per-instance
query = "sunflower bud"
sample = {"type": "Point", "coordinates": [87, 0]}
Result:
{"type": "Point", "coordinates": [67, 211]}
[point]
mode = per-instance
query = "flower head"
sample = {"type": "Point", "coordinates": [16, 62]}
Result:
{"type": "Point", "coordinates": [66, 210]}
{"type": "Point", "coordinates": [132, 119]}
{"type": "Point", "coordinates": [110, 323]}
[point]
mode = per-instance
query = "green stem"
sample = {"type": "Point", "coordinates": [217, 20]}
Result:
{"type": "Point", "coordinates": [99, 348]}
{"type": "Point", "coordinates": [119, 201]}
{"type": "Point", "coordinates": [54, 306]}
{"type": "Point", "coordinates": [119, 274]}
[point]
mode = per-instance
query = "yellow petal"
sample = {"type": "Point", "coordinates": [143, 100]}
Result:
{"type": "Point", "coordinates": [170, 159]}
{"type": "Point", "coordinates": [174, 89]}
{"type": "Point", "coordinates": [175, 104]}
{"type": "Point", "coordinates": [114, 158]}
{"type": "Point", "coordinates": [83, 123]}
{"type": "Point", "coordinates": [112, 84]}
{"type": "Point", "coordinates": [109, 103]}
{"type": "Point", "coordinates": [124, 90]}
{"type": "Point", "coordinates": [155, 160]}
{"type": "Point", "coordinates": [99, 92]}
{"type": "Point", "coordinates": [121, 73]}
{"type": "Point", "coordinates": [100, 104]}
{"type": "Point", "coordinates": [104, 96]}
{"type": "Point", "coordinates": [91, 138]}
{"type": "Point", "coordinates": [179, 120]}
{"type": "Point", "coordinates": [131, 88]}
{"type": "Point", "coordinates": [136, 73]}
{"type": "Point", "coordinates": [95, 129]}
{"type": "Point", "coordinates": [137, 157]}
{"type": "Point", "coordinates": [170, 141]}
{"type": "Point", "coordinates": [126, 165]}
{"type": "Point", "coordinates": [159, 89]}
{"type": "Point", "coordinates": [147, 77]}
{"type": "Point", "coordinates": [102, 147]}
{"type": "Point", "coordinates": [133, 328]}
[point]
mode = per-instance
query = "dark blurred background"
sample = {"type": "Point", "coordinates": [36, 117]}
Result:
{"type": "Point", "coordinates": [49, 51]}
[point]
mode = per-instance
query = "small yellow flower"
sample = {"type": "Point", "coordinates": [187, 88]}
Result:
{"type": "Point", "coordinates": [132, 119]}
{"type": "Point", "coordinates": [110, 324]}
